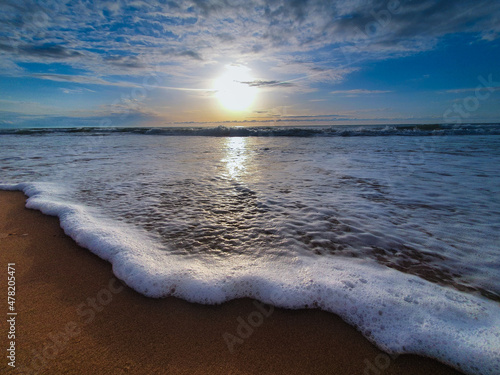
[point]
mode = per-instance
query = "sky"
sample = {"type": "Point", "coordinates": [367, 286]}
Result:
{"type": "Point", "coordinates": [250, 62]}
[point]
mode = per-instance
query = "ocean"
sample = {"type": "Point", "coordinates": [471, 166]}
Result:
{"type": "Point", "coordinates": [394, 228]}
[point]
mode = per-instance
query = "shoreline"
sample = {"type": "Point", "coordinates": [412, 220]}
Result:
{"type": "Point", "coordinates": [74, 316]}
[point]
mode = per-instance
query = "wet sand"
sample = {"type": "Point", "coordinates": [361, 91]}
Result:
{"type": "Point", "coordinates": [75, 317]}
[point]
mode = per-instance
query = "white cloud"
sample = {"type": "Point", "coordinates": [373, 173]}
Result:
{"type": "Point", "coordinates": [471, 89]}
{"type": "Point", "coordinates": [83, 80]}
{"type": "Point", "coordinates": [357, 92]}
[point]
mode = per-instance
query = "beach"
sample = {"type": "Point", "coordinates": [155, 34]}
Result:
{"type": "Point", "coordinates": [75, 317]}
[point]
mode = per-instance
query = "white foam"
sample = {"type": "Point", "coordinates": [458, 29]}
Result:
{"type": "Point", "coordinates": [401, 313]}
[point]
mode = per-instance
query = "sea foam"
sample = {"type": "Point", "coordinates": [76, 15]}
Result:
{"type": "Point", "coordinates": [400, 313]}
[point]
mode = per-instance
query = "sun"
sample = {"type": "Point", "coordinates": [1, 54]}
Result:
{"type": "Point", "coordinates": [233, 89]}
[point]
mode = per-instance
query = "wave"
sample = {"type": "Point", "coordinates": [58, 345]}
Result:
{"type": "Point", "coordinates": [274, 131]}
{"type": "Point", "coordinates": [400, 313]}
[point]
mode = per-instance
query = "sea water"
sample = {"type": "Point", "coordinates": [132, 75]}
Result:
{"type": "Point", "coordinates": [394, 228]}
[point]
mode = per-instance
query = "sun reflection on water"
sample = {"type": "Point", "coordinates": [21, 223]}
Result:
{"type": "Point", "coordinates": [236, 156]}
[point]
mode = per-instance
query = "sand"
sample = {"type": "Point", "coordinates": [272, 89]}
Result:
{"type": "Point", "coordinates": [75, 317]}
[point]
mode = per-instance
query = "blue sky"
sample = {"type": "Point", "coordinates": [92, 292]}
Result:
{"type": "Point", "coordinates": [157, 63]}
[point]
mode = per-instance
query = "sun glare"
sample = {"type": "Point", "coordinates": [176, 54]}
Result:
{"type": "Point", "coordinates": [233, 89]}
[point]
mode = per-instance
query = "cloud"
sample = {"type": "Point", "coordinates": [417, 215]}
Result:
{"type": "Point", "coordinates": [356, 92]}
{"type": "Point", "coordinates": [309, 72]}
{"type": "Point", "coordinates": [410, 23]}
{"type": "Point", "coordinates": [192, 54]}
{"type": "Point", "coordinates": [7, 48]}
{"type": "Point", "coordinates": [225, 37]}
{"type": "Point", "coordinates": [120, 117]}
{"type": "Point", "coordinates": [82, 79]}
{"type": "Point", "coordinates": [260, 83]}
{"type": "Point", "coordinates": [42, 51]}
{"type": "Point", "coordinates": [52, 51]}
{"type": "Point", "coordinates": [8, 108]}
{"type": "Point", "coordinates": [472, 89]}
{"type": "Point", "coordinates": [75, 91]}
{"type": "Point", "coordinates": [125, 61]}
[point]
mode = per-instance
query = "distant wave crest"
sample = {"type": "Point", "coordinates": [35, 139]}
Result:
{"type": "Point", "coordinates": [274, 131]}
